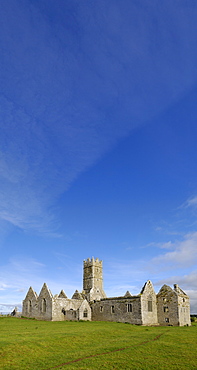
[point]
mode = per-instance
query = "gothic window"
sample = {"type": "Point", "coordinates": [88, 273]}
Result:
{"type": "Point", "coordinates": [112, 309]}
{"type": "Point", "coordinates": [44, 305]}
{"type": "Point", "coordinates": [85, 313]}
{"type": "Point", "coordinates": [129, 307]}
{"type": "Point", "coordinates": [165, 309]}
{"type": "Point", "coordinates": [101, 308]}
{"type": "Point", "coordinates": [29, 306]}
{"type": "Point", "coordinates": [150, 306]}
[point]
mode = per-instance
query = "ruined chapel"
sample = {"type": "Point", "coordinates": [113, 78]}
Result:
{"type": "Point", "coordinates": [168, 307]}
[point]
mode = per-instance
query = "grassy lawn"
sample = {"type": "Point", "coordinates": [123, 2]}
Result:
{"type": "Point", "coordinates": [40, 345]}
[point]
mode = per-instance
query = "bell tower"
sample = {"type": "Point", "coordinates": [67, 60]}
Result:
{"type": "Point", "coordinates": [93, 279]}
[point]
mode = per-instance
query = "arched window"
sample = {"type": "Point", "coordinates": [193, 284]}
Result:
{"type": "Point", "coordinates": [29, 306]}
{"type": "Point", "coordinates": [150, 306]}
{"type": "Point", "coordinates": [44, 305]}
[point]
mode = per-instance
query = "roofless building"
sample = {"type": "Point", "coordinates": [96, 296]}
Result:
{"type": "Point", "coordinates": [168, 307]}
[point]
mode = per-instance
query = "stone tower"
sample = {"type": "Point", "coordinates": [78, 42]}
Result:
{"type": "Point", "coordinates": [93, 279]}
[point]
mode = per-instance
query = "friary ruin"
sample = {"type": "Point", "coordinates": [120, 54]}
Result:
{"type": "Point", "coordinates": [168, 307]}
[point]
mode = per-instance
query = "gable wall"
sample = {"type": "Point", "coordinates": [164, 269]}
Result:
{"type": "Point", "coordinates": [30, 309]}
{"type": "Point", "coordinates": [167, 307]}
{"type": "Point", "coordinates": [42, 313]}
{"type": "Point", "coordinates": [149, 305]}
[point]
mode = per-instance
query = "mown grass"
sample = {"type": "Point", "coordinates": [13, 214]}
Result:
{"type": "Point", "coordinates": [40, 345]}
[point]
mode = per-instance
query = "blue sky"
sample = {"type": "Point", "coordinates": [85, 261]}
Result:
{"type": "Point", "coordinates": [98, 144]}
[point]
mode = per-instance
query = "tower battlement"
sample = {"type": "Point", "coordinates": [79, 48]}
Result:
{"type": "Point", "coordinates": [92, 261]}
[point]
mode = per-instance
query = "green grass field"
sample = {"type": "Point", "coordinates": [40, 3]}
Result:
{"type": "Point", "coordinates": [30, 344]}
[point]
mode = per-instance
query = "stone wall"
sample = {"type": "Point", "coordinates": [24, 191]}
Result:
{"type": "Point", "coordinates": [118, 309]}
{"type": "Point", "coordinates": [71, 309]}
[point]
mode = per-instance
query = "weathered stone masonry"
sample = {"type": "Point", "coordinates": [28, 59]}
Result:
{"type": "Point", "coordinates": [168, 307]}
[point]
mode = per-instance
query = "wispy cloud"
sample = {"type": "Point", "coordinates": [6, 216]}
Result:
{"type": "Point", "coordinates": [188, 281]}
{"type": "Point", "coordinates": [191, 202]}
{"type": "Point", "coordinates": [16, 277]}
{"type": "Point", "coordinates": [184, 253]}
{"type": "Point", "coordinates": [167, 245]}
{"type": "Point", "coordinates": [8, 308]}
{"type": "Point", "coordinates": [72, 89]}
{"type": "Point", "coordinates": [3, 286]}
{"type": "Point", "coordinates": [21, 272]}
